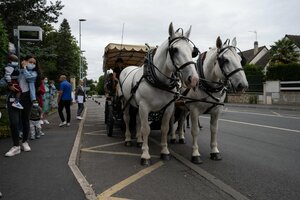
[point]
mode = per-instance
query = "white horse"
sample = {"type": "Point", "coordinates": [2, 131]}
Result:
{"type": "Point", "coordinates": [156, 92]}
{"type": "Point", "coordinates": [221, 67]}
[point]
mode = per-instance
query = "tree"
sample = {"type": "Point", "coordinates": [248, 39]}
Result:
{"type": "Point", "coordinates": [67, 51]}
{"type": "Point", "coordinates": [100, 85]}
{"type": "Point", "coordinates": [29, 12]}
{"type": "Point", "coordinates": [284, 52]}
{"type": "Point", "coordinates": [3, 43]}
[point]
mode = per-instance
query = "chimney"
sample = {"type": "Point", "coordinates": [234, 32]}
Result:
{"type": "Point", "coordinates": [255, 47]}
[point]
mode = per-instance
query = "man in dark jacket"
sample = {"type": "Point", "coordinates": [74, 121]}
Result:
{"type": "Point", "coordinates": [80, 99]}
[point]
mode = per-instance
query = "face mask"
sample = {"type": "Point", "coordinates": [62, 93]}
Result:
{"type": "Point", "coordinates": [30, 66]}
{"type": "Point", "coordinates": [15, 63]}
{"type": "Point", "coordinates": [45, 81]}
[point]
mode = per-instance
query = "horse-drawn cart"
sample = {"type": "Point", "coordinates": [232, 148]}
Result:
{"type": "Point", "coordinates": [131, 55]}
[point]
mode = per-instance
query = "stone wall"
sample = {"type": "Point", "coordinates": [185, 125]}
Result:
{"type": "Point", "coordinates": [251, 98]}
{"type": "Point", "coordinates": [289, 98]}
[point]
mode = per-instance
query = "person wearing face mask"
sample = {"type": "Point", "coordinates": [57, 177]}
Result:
{"type": "Point", "coordinates": [11, 77]}
{"type": "Point", "coordinates": [46, 101]}
{"type": "Point", "coordinates": [19, 118]}
{"type": "Point", "coordinates": [31, 71]}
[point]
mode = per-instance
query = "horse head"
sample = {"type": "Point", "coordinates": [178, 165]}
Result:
{"type": "Point", "coordinates": [231, 63]}
{"type": "Point", "coordinates": [180, 53]}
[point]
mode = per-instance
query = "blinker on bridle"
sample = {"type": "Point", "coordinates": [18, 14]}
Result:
{"type": "Point", "coordinates": [172, 51]}
{"type": "Point", "coordinates": [222, 62]}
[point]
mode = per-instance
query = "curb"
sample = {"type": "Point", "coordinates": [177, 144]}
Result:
{"type": "Point", "coordinates": [73, 164]}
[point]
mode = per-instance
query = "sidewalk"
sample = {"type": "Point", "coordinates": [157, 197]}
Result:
{"type": "Point", "coordinates": [42, 173]}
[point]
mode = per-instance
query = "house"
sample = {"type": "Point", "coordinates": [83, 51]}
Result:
{"type": "Point", "coordinates": [257, 56]}
{"type": "Point", "coordinates": [296, 40]}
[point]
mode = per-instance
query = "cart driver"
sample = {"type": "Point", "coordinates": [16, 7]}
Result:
{"type": "Point", "coordinates": [119, 65]}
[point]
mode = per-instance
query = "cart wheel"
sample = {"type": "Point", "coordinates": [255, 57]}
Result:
{"type": "Point", "coordinates": [110, 120]}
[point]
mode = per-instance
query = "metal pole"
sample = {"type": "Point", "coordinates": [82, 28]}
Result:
{"type": "Point", "coordinates": [80, 49]}
{"type": "Point", "coordinates": [80, 64]}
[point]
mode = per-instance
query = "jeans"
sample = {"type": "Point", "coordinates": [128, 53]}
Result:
{"type": "Point", "coordinates": [80, 108]}
{"type": "Point", "coordinates": [19, 119]}
{"type": "Point", "coordinates": [64, 104]}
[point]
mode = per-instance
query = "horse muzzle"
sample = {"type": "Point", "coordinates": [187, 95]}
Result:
{"type": "Point", "coordinates": [192, 81]}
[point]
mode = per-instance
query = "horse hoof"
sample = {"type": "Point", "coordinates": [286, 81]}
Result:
{"type": "Point", "coordinates": [181, 141]}
{"type": "Point", "coordinates": [197, 160]}
{"type": "Point", "coordinates": [165, 156]}
{"type": "Point", "coordinates": [215, 156]}
{"type": "Point", "coordinates": [145, 162]}
{"type": "Point", "coordinates": [128, 143]}
{"type": "Point", "coordinates": [173, 141]}
{"type": "Point", "coordinates": [139, 144]}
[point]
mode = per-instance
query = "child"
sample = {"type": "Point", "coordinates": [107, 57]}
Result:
{"type": "Point", "coordinates": [31, 71]}
{"type": "Point", "coordinates": [35, 125]}
{"type": "Point", "coordinates": [11, 77]}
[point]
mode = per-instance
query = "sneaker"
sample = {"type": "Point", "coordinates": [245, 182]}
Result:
{"type": "Point", "coordinates": [68, 124]}
{"type": "Point", "coordinates": [25, 146]}
{"type": "Point", "coordinates": [62, 124]}
{"type": "Point", "coordinates": [46, 122]}
{"type": "Point", "coordinates": [78, 117]}
{"type": "Point", "coordinates": [17, 105]}
{"type": "Point", "coordinates": [13, 151]}
{"type": "Point", "coordinates": [42, 133]}
{"type": "Point", "coordinates": [41, 122]}
{"type": "Point", "coordinates": [32, 137]}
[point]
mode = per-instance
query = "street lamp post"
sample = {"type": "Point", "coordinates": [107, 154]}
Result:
{"type": "Point", "coordinates": [80, 64]}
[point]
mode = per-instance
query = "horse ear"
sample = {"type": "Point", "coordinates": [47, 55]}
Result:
{"type": "Point", "coordinates": [233, 43]}
{"type": "Point", "coordinates": [219, 43]}
{"type": "Point", "coordinates": [171, 30]}
{"type": "Point", "coordinates": [187, 34]}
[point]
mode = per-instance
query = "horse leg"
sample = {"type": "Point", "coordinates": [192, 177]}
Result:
{"type": "Point", "coordinates": [195, 133]}
{"type": "Point", "coordinates": [181, 126]}
{"type": "Point", "coordinates": [145, 130]}
{"type": "Point", "coordinates": [126, 118]}
{"type": "Point", "coordinates": [138, 132]}
{"type": "Point", "coordinates": [165, 154]}
{"type": "Point", "coordinates": [215, 154]}
{"type": "Point", "coordinates": [172, 130]}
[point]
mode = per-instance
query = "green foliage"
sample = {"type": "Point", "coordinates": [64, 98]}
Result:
{"type": "Point", "coordinates": [67, 51]}
{"type": "Point", "coordinates": [3, 44]}
{"type": "Point", "coordinates": [255, 78]}
{"type": "Point", "coordinates": [4, 121]}
{"type": "Point", "coordinates": [284, 72]}
{"type": "Point", "coordinates": [100, 85]}
{"type": "Point", "coordinates": [284, 52]}
{"type": "Point", "coordinates": [29, 12]}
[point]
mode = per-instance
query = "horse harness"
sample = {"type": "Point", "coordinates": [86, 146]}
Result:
{"type": "Point", "coordinates": [149, 74]}
{"type": "Point", "coordinates": [204, 84]}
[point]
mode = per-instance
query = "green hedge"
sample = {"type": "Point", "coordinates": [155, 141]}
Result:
{"type": "Point", "coordinates": [4, 121]}
{"type": "Point", "coordinates": [284, 72]}
{"type": "Point", "coordinates": [255, 78]}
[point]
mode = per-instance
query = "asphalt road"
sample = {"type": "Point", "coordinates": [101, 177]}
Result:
{"type": "Point", "coordinates": [260, 152]}
{"type": "Point", "coordinates": [259, 149]}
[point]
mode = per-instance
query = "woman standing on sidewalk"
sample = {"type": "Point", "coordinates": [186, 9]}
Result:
{"type": "Point", "coordinates": [19, 117]}
{"type": "Point", "coordinates": [46, 101]}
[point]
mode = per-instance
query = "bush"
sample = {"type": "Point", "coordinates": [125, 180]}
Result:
{"type": "Point", "coordinates": [284, 72]}
{"type": "Point", "coordinates": [255, 78]}
{"type": "Point", "coordinates": [4, 121]}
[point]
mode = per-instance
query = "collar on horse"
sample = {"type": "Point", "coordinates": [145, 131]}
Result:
{"type": "Point", "coordinates": [151, 76]}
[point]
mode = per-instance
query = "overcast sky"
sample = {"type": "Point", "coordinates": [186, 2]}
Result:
{"type": "Point", "coordinates": [147, 21]}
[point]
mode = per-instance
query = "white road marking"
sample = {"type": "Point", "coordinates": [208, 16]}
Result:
{"type": "Point", "coordinates": [258, 125]}
{"type": "Point", "coordinates": [275, 113]}
{"type": "Point", "coordinates": [122, 153]}
{"type": "Point", "coordinates": [262, 114]}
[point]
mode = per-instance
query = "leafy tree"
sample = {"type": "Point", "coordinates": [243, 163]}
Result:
{"type": "Point", "coordinates": [100, 85]}
{"type": "Point", "coordinates": [284, 52]}
{"type": "Point", "coordinates": [29, 12]}
{"type": "Point", "coordinates": [3, 44]}
{"type": "Point", "coordinates": [67, 51]}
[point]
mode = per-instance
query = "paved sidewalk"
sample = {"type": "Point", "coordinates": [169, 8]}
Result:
{"type": "Point", "coordinates": [42, 173]}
